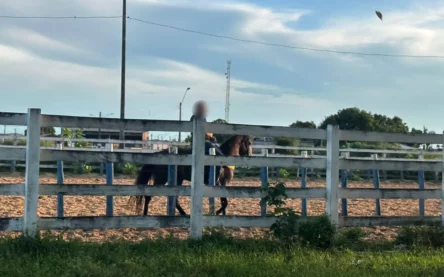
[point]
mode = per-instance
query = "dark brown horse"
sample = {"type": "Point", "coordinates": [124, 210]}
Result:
{"type": "Point", "coordinates": [158, 174]}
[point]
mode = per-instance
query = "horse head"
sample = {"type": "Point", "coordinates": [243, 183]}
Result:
{"type": "Point", "coordinates": [245, 146]}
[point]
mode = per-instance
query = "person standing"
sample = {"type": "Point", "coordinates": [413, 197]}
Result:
{"type": "Point", "coordinates": [200, 109]}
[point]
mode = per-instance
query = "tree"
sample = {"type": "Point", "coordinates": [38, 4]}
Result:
{"type": "Point", "coordinates": [303, 124]}
{"type": "Point", "coordinates": [221, 138]}
{"type": "Point", "coordinates": [282, 141]}
{"type": "Point", "coordinates": [45, 131]}
{"type": "Point", "coordinates": [350, 119]}
{"type": "Point", "coordinates": [361, 120]}
{"type": "Point", "coordinates": [188, 139]}
{"type": "Point", "coordinates": [78, 134]}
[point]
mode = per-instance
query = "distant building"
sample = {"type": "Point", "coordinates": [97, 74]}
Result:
{"type": "Point", "coordinates": [91, 133]}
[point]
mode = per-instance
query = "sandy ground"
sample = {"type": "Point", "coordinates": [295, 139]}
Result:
{"type": "Point", "coordinates": [12, 206]}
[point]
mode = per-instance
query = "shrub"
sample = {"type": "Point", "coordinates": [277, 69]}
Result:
{"type": "Point", "coordinates": [284, 173]}
{"type": "Point", "coordinates": [428, 236]}
{"type": "Point", "coordinates": [350, 238]}
{"type": "Point", "coordinates": [291, 229]}
{"type": "Point", "coordinates": [83, 168]}
{"type": "Point", "coordinates": [130, 169]}
{"type": "Point", "coordinates": [318, 232]}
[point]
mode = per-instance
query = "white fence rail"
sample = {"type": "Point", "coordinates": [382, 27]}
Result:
{"type": "Point", "coordinates": [332, 163]}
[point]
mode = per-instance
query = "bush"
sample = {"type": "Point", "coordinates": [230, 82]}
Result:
{"type": "Point", "coordinates": [283, 173]}
{"type": "Point", "coordinates": [350, 238]}
{"type": "Point", "coordinates": [291, 229]}
{"type": "Point", "coordinates": [130, 169]}
{"type": "Point", "coordinates": [318, 233]}
{"type": "Point", "coordinates": [83, 168]}
{"type": "Point", "coordinates": [428, 236]}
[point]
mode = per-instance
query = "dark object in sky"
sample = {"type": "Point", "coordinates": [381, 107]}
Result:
{"type": "Point", "coordinates": [379, 14]}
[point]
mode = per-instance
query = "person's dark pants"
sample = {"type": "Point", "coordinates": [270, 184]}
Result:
{"type": "Point", "coordinates": [209, 145]}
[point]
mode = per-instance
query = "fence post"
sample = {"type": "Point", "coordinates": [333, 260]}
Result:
{"type": "Point", "coordinates": [332, 178]}
{"type": "Point", "coordinates": [14, 142]}
{"type": "Point", "coordinates": [304, 154]}
{"type": "Point", "coordinates": [442, 183]}
{"type": "Point", "coordinates": [421, 187]}
{"type": "Point", "coordinates": [350, 171]}
{"type": "Point", "coordinates": [376, 185]}
{"type": "Point", "coordinates": [197, 178]}
{"type": "Point", "coordinates": [172, 181]}
{"type": "Point", "coordinates": [384, 172]}
{"type": "Point", "coordinates": [32, 173]}
{"type": "Point", "coordinates": [109, 181]}
{"type": "Point", "coordinates": [264, 182]}
{"type": "Point", "coordinates": [274, 169]}
{"type": "Point", "coordinates": [60, 180]}
{"type": "Point", "coordinates": [212, 180]}
{"type": "Point", "coordinates": [344, 186]}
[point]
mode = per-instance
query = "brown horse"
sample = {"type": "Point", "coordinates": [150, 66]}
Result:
{"type": "Point", "coordinates": [153, 174]}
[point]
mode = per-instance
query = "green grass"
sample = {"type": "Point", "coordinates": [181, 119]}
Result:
{"type": "Point", "coordinates": [210, 257]}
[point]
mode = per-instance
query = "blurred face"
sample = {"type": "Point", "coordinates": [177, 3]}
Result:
{"type": "Point", "coordinates": [202, 109]}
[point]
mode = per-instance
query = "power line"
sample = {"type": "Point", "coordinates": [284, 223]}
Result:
{"type": "Point", "coordinates": [59, 17]}
{"type": "Point", "coordinates": [229, 37]}
{"type": "Point", "coordinates": [284, 45]}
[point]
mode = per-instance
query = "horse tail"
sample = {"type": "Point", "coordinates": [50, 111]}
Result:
{"type": "Point", "coordinates": [144, 175]}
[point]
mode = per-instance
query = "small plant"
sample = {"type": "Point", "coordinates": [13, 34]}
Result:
{"type": "Point", "coordinates": [83, 168]}
{"type": "Point", "coordinates": [284, 173]}
{"type": "Point", "coordinates": [275, 195]}
{"type": "Point", "coordinates": [130, 169]}
{"type": "Point", "coordinates": [290, 228]}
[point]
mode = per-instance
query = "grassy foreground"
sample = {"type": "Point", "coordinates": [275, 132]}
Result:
{"type": "Point", "coordinates": [210, 257]}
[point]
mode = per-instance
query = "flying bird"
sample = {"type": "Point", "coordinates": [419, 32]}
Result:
{"type": "Point", "coordinates": [379, 14]}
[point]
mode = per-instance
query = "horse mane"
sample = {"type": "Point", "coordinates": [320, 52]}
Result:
{"type": "Point", "coordinates": [230, 147]}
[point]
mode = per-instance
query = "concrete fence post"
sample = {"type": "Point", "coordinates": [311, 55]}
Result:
{"type": "Point", "coordinates": [376, 185]}
{"type": "Point", "coordinates": [172, 181]}
{"type": "Point", "coordinates": [264, 182]}
{"type": "Point", "coordinates": [60, 181]}
{"type": "Point", "coordinates": [197, 178]}
{"type": "Point", "coordinates": [332, 178]}
{"type": "Point", "coordinates": [421, 179]}
{"type": "Point", "coordinates": [109, 181]}
{"type": "Point", "coordinates": [304, 154]}
{"type": "Point", "coordinates": [32, 173]}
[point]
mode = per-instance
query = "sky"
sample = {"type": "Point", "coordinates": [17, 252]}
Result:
{"type": "Point", "coordinates": [72, 66]}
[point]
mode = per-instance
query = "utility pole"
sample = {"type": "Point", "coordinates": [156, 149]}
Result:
{"type": "Point", "coordinates": [180, 110]}
{"type": "Point", "coordinates": [122, 88]}
{"type": "Point", "coordinates": [227, 92]}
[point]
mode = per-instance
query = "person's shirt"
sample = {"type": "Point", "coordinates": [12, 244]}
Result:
{"type": "Point", "coordinates": [192, 118]}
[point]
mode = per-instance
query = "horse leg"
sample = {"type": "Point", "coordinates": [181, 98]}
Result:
{"type": "Point", "coordinates": [145, 176]}
{"type": "Point", "coordinates": [224, 204]}
{"type": "Point", "coordinates": [145, 207]}
{"type": "Point", "coordinates": [178, 207]}
{"type": "Point", "coordinates": [224, 179]}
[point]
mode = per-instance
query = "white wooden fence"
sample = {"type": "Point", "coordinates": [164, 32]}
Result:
{"type": "Point", "coordinates": [332, 163]}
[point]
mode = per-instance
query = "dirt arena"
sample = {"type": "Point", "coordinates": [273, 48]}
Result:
{"type": "Point", "coordinates": [13, 206]}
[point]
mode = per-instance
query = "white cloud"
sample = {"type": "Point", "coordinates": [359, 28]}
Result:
{"type": "Point", "coordinates": [32, 39]}
{"type": "Point", "coordinates": [39, 61]}
{"type": "Point", "coordinates": [164, 81]}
